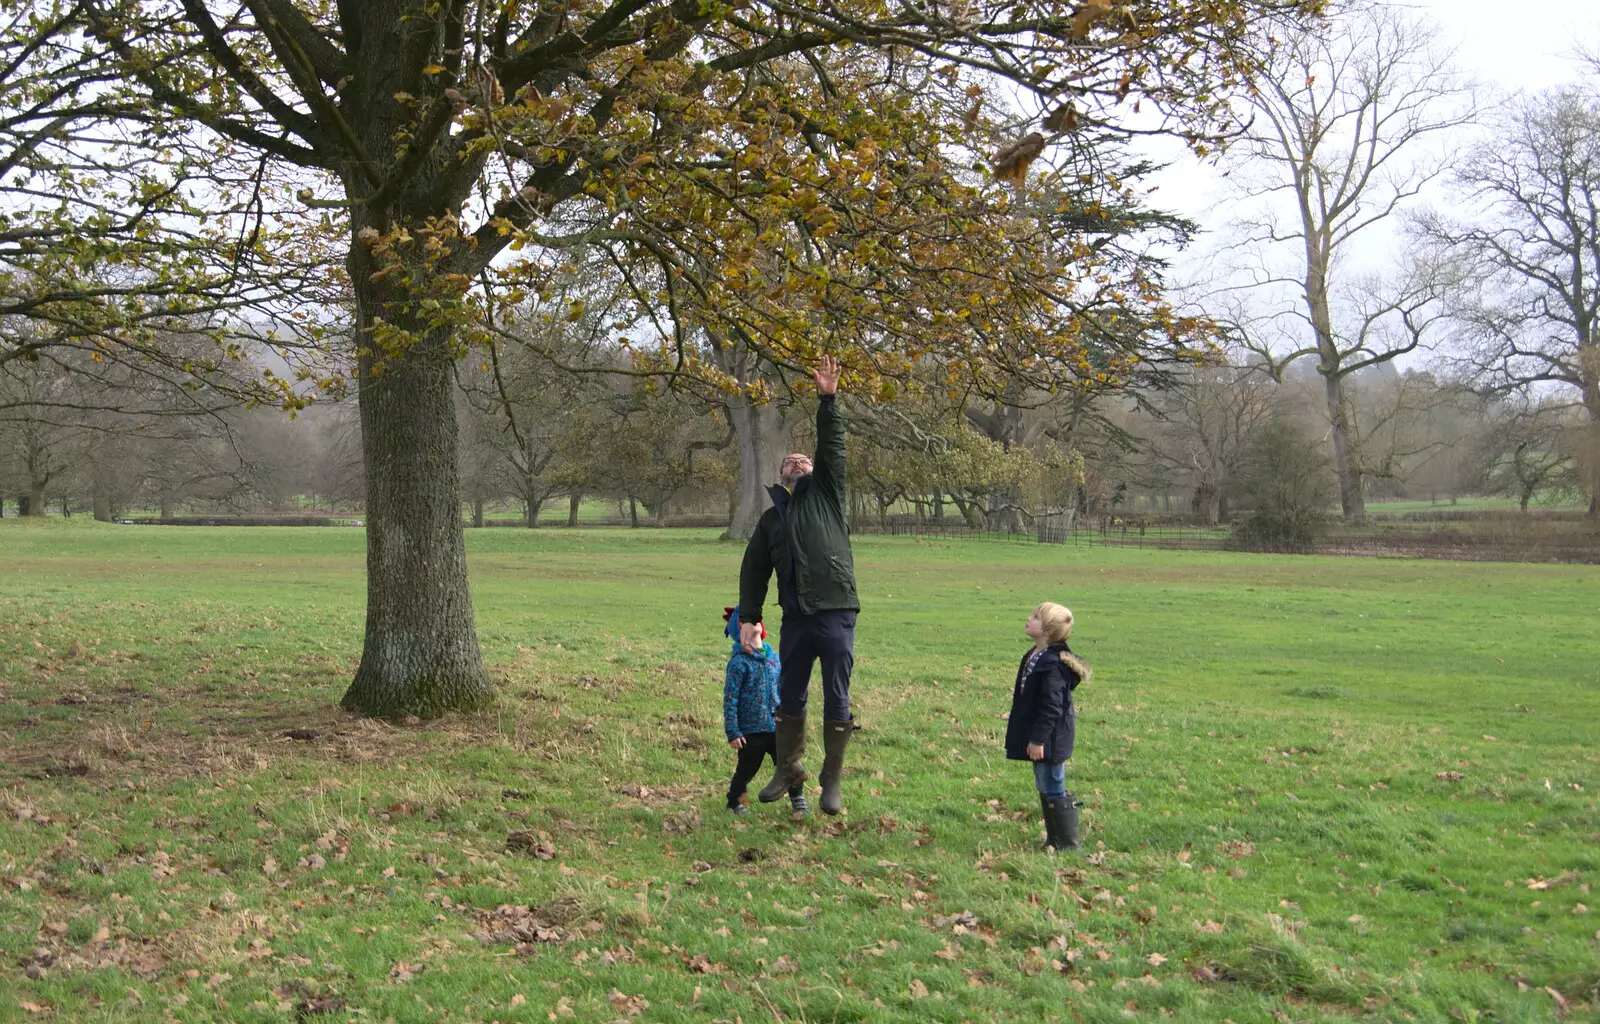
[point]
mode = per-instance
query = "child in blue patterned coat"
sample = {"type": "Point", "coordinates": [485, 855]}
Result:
{"type": "Point", "coordinates": [749, 700]}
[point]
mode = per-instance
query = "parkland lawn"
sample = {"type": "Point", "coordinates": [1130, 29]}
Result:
{"type": "Point", "coordinates": [1314, 789]}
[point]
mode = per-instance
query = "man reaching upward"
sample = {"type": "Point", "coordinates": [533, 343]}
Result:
{"type": "Point", "coordinates": [805, 539]}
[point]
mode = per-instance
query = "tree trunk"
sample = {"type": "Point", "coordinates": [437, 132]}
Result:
{"type": "Point", "coordinates": [24, 505]}
{"type": "Point", "coordinates": [421, 653]}
{"type": "Point", "coordinates": [633, 512]}
{"type": "Point", "coordinates": [574, 502]}
{"type": "Point", "coordinates": [1351, 500]}
{"type": "Point", "coordinates": [1318, 259]}
{"type": "Point", "coordinates": [760, 434]}
{"type": "Point", "coordinates": [102, 506]}
{"type": "Point", "coordinates": [477, 513]}
{"type": "Point", "coordinates": [530, 512]}
{"type": "Point", "coordinates": [1208, 503]}
{"type": "Point", "coordinates": [35, 499]}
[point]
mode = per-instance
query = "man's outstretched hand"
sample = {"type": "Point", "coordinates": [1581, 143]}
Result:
{"type": "Point", "coordinates": [750, 637]}
{"type": "Point", "coordinates": [827, 376]}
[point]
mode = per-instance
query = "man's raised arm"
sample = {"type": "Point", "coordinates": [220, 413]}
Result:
{"type": "Point", "coordinates": [829, 466]}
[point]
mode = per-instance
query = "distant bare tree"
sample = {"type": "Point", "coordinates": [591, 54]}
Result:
{"type": "Point", "coordinates": [1344, 114]}
{"type": "Point", "coordinates": [1206, 424]}
{"type": "Point", "coordinates": [1524, 448]}
{"type": "Point", "coordinates": [1532, 249]}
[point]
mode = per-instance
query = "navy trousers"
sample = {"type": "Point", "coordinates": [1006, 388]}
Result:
{"type": "Point", "coordinates": [826, 637]}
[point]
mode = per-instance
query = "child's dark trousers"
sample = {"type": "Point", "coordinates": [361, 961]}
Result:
{"type": "Point", "coordinates": [758, 746]}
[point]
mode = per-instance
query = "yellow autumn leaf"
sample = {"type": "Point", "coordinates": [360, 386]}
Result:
{"type": "Point", "coordinates": [433, 69]}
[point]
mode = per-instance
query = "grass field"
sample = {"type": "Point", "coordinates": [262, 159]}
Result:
{"type": "Point", "coordinates": [1316, 789]}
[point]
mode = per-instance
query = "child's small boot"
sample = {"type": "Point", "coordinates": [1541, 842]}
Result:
{"type": "Point", "coordinates": [1052, 826]}
{"type": "Point", "coordinates": [1061, 823]}
{"type": "Point", "coordinates": [798, 806]}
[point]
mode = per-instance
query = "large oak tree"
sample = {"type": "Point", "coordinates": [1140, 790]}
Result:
{"type": "Point", "coordinates": [783, 177]}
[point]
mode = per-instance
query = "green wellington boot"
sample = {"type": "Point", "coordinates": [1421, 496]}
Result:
{"type": "Point", "coordinates": [1061, 823]}
{"type": "Point", "coordinates": [791, 743]}
{"type": "Point", "coordinates": [835, 738]}
{"type": "Point", "coordinates": [1052, 838]}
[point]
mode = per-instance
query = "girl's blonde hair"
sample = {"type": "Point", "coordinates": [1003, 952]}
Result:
{"type": "Point", "coordinates": [1056, 620]}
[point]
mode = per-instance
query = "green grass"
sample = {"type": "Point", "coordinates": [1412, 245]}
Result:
{"type": "Point", "coordinates": [1315, 789]}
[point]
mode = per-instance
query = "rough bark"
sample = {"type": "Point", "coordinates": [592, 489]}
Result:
{"type": "Point", "coordinates": [35, 505]}
{"type": "Point", "coordinates": [1351, 500]}
{"type": "Point", "coordinates": [421, 652]}
{"type": "Point", "coordinates": [1318, 257]}
{"type": "Point", "coordinates": [574, 502]}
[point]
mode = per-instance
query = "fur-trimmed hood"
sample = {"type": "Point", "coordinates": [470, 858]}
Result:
{"type": "Point", "coordinates": [1076, 664]}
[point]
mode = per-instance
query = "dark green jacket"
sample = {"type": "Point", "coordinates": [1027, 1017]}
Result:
{"type": "Point", "coordinates": [805, 537]}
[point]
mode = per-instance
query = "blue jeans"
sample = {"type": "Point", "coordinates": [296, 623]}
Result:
{"type": "Point", "coordinates": [1051, 778]}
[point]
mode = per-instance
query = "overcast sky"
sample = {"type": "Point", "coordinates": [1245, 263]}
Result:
{"type": "Point", "coordinates": [1525, 44]}
{"type": "Point", "coordinates": [1533, 50]}
{"type": "Point", "coordinates": [1533, 47]}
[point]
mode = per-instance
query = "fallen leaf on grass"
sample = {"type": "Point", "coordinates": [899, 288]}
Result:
{"type": "Point", "coordinates": [1155, 959]}
{"type": "Point", "coordinates": [964, 921]}
{"type": "Point", "coordinates": [1541, 884]}
{"type": "Point", "coordinates": [517, 1000]}
{"type": "Point", "coordinates": [1209, 928]}
{"type": "Point", "coordinates": [32, 1007]}
{"type": "Point", "coordinates": [918, 989]}
{"type": "Point", "coordinates": [319, 1004]}
{"type": "Point", "coordinates": [513, 925]}
{"type": "Point", "coordinates": [627, 1005]}
{"type": "Point", "coordinates": [1204, 973]}
{"type": "Point", "coordinates": [1448, 776]}
{"type": "Point", "coordinates": [684, 822]}
{"type": "Point", "coordinates": [403, 972]}
{"type": "Point", "coordinates": [1237, 848]}
{"type": "Point", "coordinates": [269, 867]}
{"type": "Point", "coordinates": [535, 843]}
{"type": "Point", "coordinates": [782, 965]}
{"type": "Point", "coordinates": [1561, 1001]}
